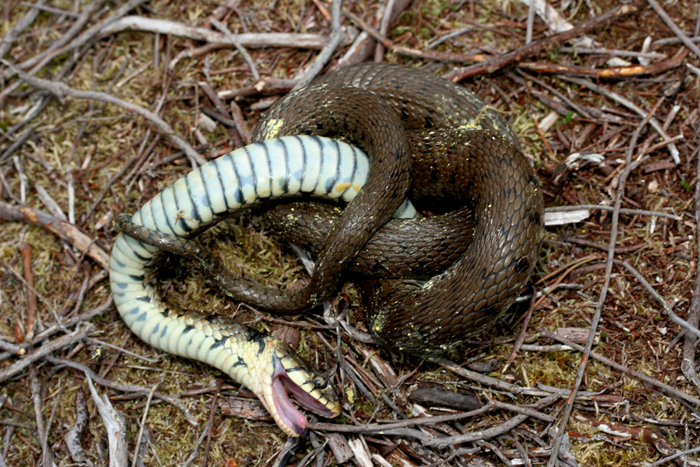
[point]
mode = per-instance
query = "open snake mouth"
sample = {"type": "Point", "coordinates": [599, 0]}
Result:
{"type": "Point", "coordinates": [288, 413]}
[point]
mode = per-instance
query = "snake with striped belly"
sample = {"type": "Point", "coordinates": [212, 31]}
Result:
{"type": "Point", "coordinates": [425, 137]}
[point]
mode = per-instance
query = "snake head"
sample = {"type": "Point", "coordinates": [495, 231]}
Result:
{"type": "Point", "coordinates": [289, 374]}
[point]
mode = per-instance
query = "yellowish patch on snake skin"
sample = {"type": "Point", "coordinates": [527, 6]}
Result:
{"type": "Point", "coordinates": [379, 322]}
{"type": "Point", "coordinates": [272, 127]}
{"type": "Point", "coordinates": [341, 187]}
{"type": "Point", "coordinates": [474, 124]}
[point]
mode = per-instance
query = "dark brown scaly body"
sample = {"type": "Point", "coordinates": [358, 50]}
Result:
{"type": "Point", "coordinates": [503, 190]}
{"type": "Point", "coordinates": [462, 150]}
{"type": "Point", "coordinates": [402, 248]}
{"type": "Point", "coordinates": [496, 181]}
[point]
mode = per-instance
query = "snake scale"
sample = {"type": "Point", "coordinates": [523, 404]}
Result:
{"type": "Point", "coordinates": [426, 137]}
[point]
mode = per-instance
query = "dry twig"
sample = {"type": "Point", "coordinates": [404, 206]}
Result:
{"type": "Point", "coordinates": [62, 229]}
{"type": "Point", "coordinates": [61, 90]}
{"type": "Point", "coordinates": [124, 387]}
{"type": "Point", "coordinates": [241, 50]}
{"type": "Point", "coordinates": [614, 72]}
{"type": "Point", "coordinates": [603, 294]}
{"type": "Point", "coordinates": [672, 26]}
{"type": "Point", "coordinates": [43, 351]}
{"type": "Point", "coordinates": [329, 49]}
{"type": "Point", "coordinates": [115, 424]}
{"type": "Point", "coordinates": [254, 40]}
{"type": "Point", "coordinates": [630, 105]}
{"type": "Point", "coordinates": [665, 388]}
{"type": "Point", "coordinates": [74, 435]}
{"type": "Point", "coordinates": [26, 251]}
{"type": "Point", "coordinates": [428, 55]}
{"type": "Point", "coordinates": [496, 63]}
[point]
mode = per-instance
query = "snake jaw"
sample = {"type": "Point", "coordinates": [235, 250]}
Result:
{"type": "Point", "coordinates": [282, 384]}
{"type": "Point", "coordinates": [287, 416]}
{"type": "Point", "coordinates": [275, 384]}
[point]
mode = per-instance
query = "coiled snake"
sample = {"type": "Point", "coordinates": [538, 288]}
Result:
{"type": "Point", "coordinates": [423, 134]}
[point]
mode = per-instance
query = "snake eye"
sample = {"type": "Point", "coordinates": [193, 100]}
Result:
{"type": "Point", "coordinates": [321, 382]}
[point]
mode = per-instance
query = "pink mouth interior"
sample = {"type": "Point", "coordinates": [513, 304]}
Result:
{"type": "Point", "coordinates": [290, 416]}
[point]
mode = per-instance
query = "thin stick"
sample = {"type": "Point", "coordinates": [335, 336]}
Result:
{"type": "Point", "coordinates": [23, 138]}
{"type": "Point", "coordinates": [26, 251]}
{"type": "Point", "coordinates": [496, 63]}
{"type": "Point", "coordinates": [18, 27]}
{"type": "Point", "coordinates": [61, 90]}
{"type": "Point", "coordinates": [45, 445]}
{"type": "Point", "coordinates": [115, 347]}
{"type": "Point", "coordinates": [490, 432]}
{"type": "Point", "coordinates": [334, 41]}
{"type": "Point", "coordinates": [374, 427]}
{"type": "Point", "coordinates": [675, 456]}
{"type": "Point", "coordinates": [72, 438]}
{"type": "Point", "coordinates": [55, 11]}
{"type": "Point", "coordinates": [239, 122]}
{"type": "Point", "coordinates": [69, 339]}
{"type": "Point", "coordinates": [123, 387]}
{"type": "Point", "coordinates": [49, 202]}
{"type": "Point", "coordinates": [614, 72]}
{"type": "Point", "coordinates": [116, 427]}
{"type": "Point", "coordinates": [241, 50]}
{"type": "Point", "coordinates": [193, 456]}
{"type": "Point", "coordinates": [88, 315]}
{"type": "Point", "coordinates": [673, 40]}
{"type": "Point", "coordinates": [223, 111]}
{"type": "Point", "coordinates": [38, 61]}
{"type": "Point", "coordinates": [210, 424]}
{"type": "Point", "coordinates": [58, 319]}
{"type": "Point", "coordinates": [112, 180]}
{"type": "Point", "coordinates": [523, 331]}
{"type": "Point", "coordinates": [665, 388]}
{"type": "Point", "coordinates": [449, 36]}
{"type": "Point", "coordinates": [23, 180]}
{"type": "Point", "coordinates": [612, 52]}
{"type": "Point", "coordinates": [384, 29]}
{"type": "Point", "coordinates": [630, 105]}
{"type": "Point", "coordinates": [425, 54]}
{"type": "Point", "coordinates": [15, 349]}
{"type": "Point", "coordinates": [530, 22]}
{"type": "Point", "coordinates": [689, 349]}
{"type": "Point", "coordinates": [253, 40]}
{"type": "Point", "coordinates": [35, 387]}
{"type": "Point", "coordinates": [42, 336]}
{"type": "Point", "coordinates": [672, 26]}
{"type": "Point", "coordinates": [674, 317]}
{"type": "Point", "coordinates": [603, 294]}
{"type": "Point", "coordinates": [137, 446]}
{"type": "Point", "coordinates": [484, 379]}
{"type": "Point", "coordinates": [600, 207]}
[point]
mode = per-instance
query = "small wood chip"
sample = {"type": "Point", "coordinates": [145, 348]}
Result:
{"type": "Point", "coordinates": [434, 395]}
{"type": "Point", "coordinates": [250, 409]}
{"type": "Point", "coordinates": [577, 335]}
{"type": "Point", "coordinates": [340, 448]}
{"type": "Point", "coordinates": [361, 454]}
{"type": "Point", "coordinates": [656, 166]}
{"type": "Point", "coordinates": [288, 334]}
